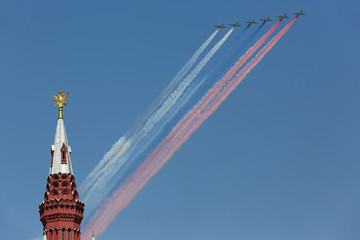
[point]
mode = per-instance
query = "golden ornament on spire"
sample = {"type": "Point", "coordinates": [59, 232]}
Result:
{"type": "Point", "coordinates": [60, 102]}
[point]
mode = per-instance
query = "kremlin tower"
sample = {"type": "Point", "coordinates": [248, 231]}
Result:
{"type": "Point", "coordinates": [61, 212]}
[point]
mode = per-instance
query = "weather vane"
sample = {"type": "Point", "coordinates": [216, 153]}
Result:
{"type": "Point", "coordinates": [60, 102]}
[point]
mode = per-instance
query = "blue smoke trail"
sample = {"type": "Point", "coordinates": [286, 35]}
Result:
{"type": "Point", "coordinates": [125, 142]}
{"type": "Point", "coordinates": [129, 149]}
{"type": "Point", "coordinates": [132, 152]}
{"type": "Point", "coordinates": [236, 55]}
{"type": "Point", "coordinates": [248, 40]}
{"type": "Point", "coordinates": [194, 87]}
{"type": "Point", "coordinates": [229, 48]}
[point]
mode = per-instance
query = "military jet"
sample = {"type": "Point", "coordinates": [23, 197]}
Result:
{"type": "Point", "coordinates": [234, 25]}
{"type": "Point", "coordinates": [220, 26]}
{"type": "Point", "coordinates": [299, 13]}
{"type": "Point", "coordinates": [283, 16]}
{"type": "Point", "coordinates": [251, 22]}
{"type": "Point", "coordinates": [266, 19]}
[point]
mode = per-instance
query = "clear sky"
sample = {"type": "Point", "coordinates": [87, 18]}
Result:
{"type": "Point", "coordinates": [277, 161]}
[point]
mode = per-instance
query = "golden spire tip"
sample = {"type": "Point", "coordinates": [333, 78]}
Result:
{"type": "Point", "coordinates": [60, 102]}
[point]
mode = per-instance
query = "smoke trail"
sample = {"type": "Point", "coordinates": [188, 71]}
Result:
{"type": "Point", "coordinates": [233, 70]}
{"type": "Point", "coordinates": [97, 189]}
{"type": "Point", "coordinates": [183, 71]}
{"type": "Point", "coordinates": [174, 96]}
{"type": "Point", "coordinates": [140, 148]}
{"type": "Point", "coordinates": [219, 71]}
{"type": "Point", "coordinates": [242, 74]}
{"type": "Point", "coordinates": [216, 65]}
{"type": "Point", "coordinates": [213, 99]}
{"type": "Point", "coordinates": [185, 128]}
{"type": "Point", "coordinates": [230, 48]}
{"type": "Point", "coordinates": [243, 45]}
{"type": "Point", "coordinates": [193, 88]}
{"type": "Point", "coordinates": [237, 66]}
{"type": "Point", "coordinates": [103, 186]}
{"type": "Point", "coordinates": [250, 38]}
{"type": "Point", "coordinates": [122, 144]}
{"type": "Point", "coordinates": [163, 152]}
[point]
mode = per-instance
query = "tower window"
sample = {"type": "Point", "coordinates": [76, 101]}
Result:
{"type": "Point", "coordinates": [63, 154]}
{"type": "Point", "coordinates": [52, 157]}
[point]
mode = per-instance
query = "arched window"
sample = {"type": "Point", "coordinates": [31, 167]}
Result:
{"type": "Point", "coordinates": [63, 154]}
{"type": "Point", "coordinates": [52, 157]}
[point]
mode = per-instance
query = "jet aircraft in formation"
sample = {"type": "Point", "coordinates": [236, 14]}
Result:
{"type": "Point", "coordinates": [251, 22]}
{"type": "Point", "coordinates": [234, 25]}
{"type": "Point", "coordinates": [283, 16]}
{"type": "Point", "coordinates": [299, 13]}
{"type": "Point", "coordinates": [220, 26]}
{"type": "Point", "coordinates": [266, 19]}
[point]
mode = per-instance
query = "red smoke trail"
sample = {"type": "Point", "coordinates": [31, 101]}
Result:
{"type": "Point", "coordinates": [180, 133]}
{"type": "Point", "coordinates": [209, 96]}
{"type": "Point", "coordinates": [221, 83]}
{"type": "Point", "coordinates": [243, 73]}
{"type": "Point", "coordinates": [183, 131]}
{"type": "Point", "coordinates": [246, 56]}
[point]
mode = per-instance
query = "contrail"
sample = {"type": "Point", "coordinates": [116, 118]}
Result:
{"type": "Point", "coordinates": [242, 74]}
{"type": "Point", "coordinates": [243, 45]}
{"type": "Point", "coordinates": [174, 96]}
{"type": "Point", "coordinates": [122, 143]}
{"type": "Point", "coordinates": [193, 88]}
{"type": "Point", "coordinates": [166, 112]}
{"type": "Point", "coordinates": [159, 126]}
{"type": "Point", "coordinates": [98, 191]}
{"type": "Point", "coordinates": [163, 152]}
{"type": "Point", "coordinates": [215, 67]}
{"type": "Point", "coordinates": [96, 198]}
{"type": "Point", "coordinates": [185, 69]}
{"type": "Point", "coordinates": [101, 183]}
{"type": "Point", "coordinates": [220, 84]}
{"type": "Point", "coordinates": [221, 68]}
{"type": "Point", "coordinates": [185, 129]}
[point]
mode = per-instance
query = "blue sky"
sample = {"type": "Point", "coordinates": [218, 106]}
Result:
{"type": "Point", "coordinates": [278, 160]}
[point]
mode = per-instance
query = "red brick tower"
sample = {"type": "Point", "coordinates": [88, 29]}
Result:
{"type": "Point", "coordinates": [61, 212]}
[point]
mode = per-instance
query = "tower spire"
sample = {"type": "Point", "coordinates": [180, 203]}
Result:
{"type": "Point", "coordinates": [60, 150]}
{"type": "Point", "coordinates": [61, 212]}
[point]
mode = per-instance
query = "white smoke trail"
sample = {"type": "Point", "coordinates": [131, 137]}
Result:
{"type": "Point", "coordinates": [174, 96]}
{"type": "Point", "coordinates": [122, 197]}
{"type": "Point", "coordinates": [113, 159]}
{"type": "Point", "coordinates": [183, 71]}
{"type": "Point", "coordinates": [100, 188]}
{"type": "Point", "coordinates": [101, 167]}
